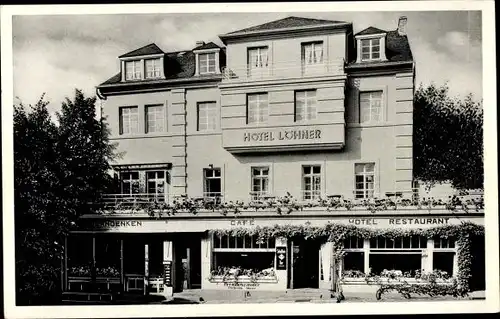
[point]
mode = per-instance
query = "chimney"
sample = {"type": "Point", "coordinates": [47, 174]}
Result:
{"type": "Point", "coordinates": [199, 43]}
{"type": "Point", "coordinates": [402, 25]}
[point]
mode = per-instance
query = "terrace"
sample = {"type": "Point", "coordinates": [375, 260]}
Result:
{"type": "Point", "coordinates": [415, 200]}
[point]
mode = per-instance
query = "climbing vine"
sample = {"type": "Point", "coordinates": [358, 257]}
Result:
{"type": "Point", "coordinates": [288, 204]}
{"type": "Point", "coordinates": [336, 233]}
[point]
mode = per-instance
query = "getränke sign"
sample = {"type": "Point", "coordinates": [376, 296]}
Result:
{"type": "Point", "coordinates": [282, 135]}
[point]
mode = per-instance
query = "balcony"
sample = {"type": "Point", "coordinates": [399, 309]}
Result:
{"type": "Point", "coordinates": [282, 71]}
{"type": "Point", "coordinates": [209, 203]}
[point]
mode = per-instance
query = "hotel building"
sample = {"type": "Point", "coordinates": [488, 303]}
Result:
{"type": "Point", "coordinates": [297, 109]}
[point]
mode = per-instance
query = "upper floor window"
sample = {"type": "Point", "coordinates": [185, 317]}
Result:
{"type": "Point", "coordinates": [305, 105]}
{"type": "Point", "coordinates": [133, 70]}
{"type": "Point", "coordinates": [365, 180]}
{"type": "Point", "coordinates": [370, 106]}
{"type": "Point", "coordinates": [311, 182]}
{"type": "Point", "coordinates": [257, 108]}
{"type": "Point", "coordinates": [260, 181]}
{"type": "Point", "coordinates": [312, 53]}
{"type": "Point", "coordinates": [370, 49]}
{"type": "Point", "coordinates": [153, 68]}
{"type": "Point", "coordinates": [130, 182]}
{"type": "Point", "coordinates": [206, 63]}
{"type": "Point", "coordinates": [155, 117]}
{"type": "Point", "coordinates": [129, 120]}
{"type": "Point", "coordinates": [212, 182]}
{"type": "Point", "coordinates": [156, 182]}
{"type": "Point", "coordinates": [207, 116]}
{"type": "Point", "coordinates": [258, 58]}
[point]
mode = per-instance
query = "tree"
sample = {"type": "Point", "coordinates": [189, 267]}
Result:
{"type": "Point", "coordinates": [36, 201]}
{"type": "Point", "coordinates": [85, 152]}
{"type": "Point", "coordinates": [59, 171]}
{"type": "Point", "coordinates": [447, 138]}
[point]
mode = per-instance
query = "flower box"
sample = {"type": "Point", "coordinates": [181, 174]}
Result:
{"type": "Point", "coordinates": [353, 280]}
{"type": "Point", "coordinates": [244, 279]}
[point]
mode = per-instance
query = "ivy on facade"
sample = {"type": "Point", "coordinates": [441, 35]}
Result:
{"type": "Point", "coordinates": [337, 233]}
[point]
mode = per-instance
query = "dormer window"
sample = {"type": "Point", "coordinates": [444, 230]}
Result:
{"type": "Point", "coordinates": [207, 63]}
{"type": "Point", "coordinates": [153, 68]}
{"type": "Point", "coordinates": [370, 49]}
{"type": "Point", "coordinates": [133, 70]}
{"type": "Point", "coordinates": [142, 64]}
{"type": "Point", "coordinates": [207, 58]}
{"type": "Point", "coordinates": [371, 45]}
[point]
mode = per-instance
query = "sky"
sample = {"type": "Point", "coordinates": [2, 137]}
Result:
{"type": "Point", "coordinates": [56, 54]}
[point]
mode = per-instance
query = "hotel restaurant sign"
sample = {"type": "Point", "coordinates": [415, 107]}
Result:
{"type": "Point", "coordinates": [202, 224]}
{"type": "Point", "coordinates": [329, 136]}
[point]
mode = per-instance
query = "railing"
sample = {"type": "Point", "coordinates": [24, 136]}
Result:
{"type": "Point", "coordinates": [282, 70]}
{"type": "Point", "coordinates": [315, 198]}
{"type": "Point", "coordinates": [131, 200]}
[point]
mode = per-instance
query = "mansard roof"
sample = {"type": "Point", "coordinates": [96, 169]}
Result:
{"type": "Point", "coordinates": [370, 30]}
{"type": "Point", "coordinates": [288, 22]}
{"type": "Point", "coordinates": [149, 49]}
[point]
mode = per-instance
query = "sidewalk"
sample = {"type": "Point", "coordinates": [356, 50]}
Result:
{"type": "Point", "coordinates": [297, 295]}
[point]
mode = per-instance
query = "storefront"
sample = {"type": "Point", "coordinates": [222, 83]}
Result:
{"type": "Point", "coordinates": [210, 251]}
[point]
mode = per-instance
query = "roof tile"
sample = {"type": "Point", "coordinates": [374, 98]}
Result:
{"type": "Point", "coordinates": [370, 30]}
{"type": "Point", "coordinates": [206, 46]}
{"type": "Point", "coordinates": [288, 22]}
{"type": "Point", "coordinates": [145, 50]}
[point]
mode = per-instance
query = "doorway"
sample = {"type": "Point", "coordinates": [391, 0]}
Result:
{"type": "Point", "coordinates": [304, 264]}
{"type": "Point", "coordinates": [188, 261]}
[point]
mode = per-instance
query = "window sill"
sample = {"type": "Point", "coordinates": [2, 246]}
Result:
{"type": "Point", "coordinates": [216, 132]}
{"type": "Point", "coordinates": [385, 280]}
{"type": "Point", "coordinates": [142, 135]}
{"type": "Point", "coordinates": [372, 124]}
{"type": "Point", "coordinates": [244, 279]}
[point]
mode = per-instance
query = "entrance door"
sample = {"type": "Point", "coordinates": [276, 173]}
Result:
{"type": "Point", "coordinates": [188, 262]}
{"type": "Point", "coordinates": [305, 263]}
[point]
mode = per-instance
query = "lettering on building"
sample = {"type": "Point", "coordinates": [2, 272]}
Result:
{"type": "Point", "coordinates": [419, 221]}
{"type": "Point", "coordinates": [241, 285]}
{"type": "Point", "coordinates": [282, 135]}
{"type": "Point", "coordinates": [117, 223]}
{"type": "Point", "coordinates": [400, 221]}
{"type": "Point", "coordinates": [242, 222]}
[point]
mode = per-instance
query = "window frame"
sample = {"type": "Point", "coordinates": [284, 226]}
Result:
{"type": "Point", "coordinates": [130, 181]}
{"type": "Point", "coordinates": [312, 44]}
{"type": "Point", "coordinates": [370, 47]}
{"type": "Point", "coordinates": [365, 173]}
{"type": "Point", "coordinates": [305, 114]}
{"type": "Point", "coordinates": [259, 108]}
{"type": "Point", "coordinates": [255, 195]}
{"type": "Point", "coordinates": [207, 122]}
{"type": "Point", "coordinates": [252, 239]}
{"type": "Point", "coordinates": [136, 72]}
{"type": "Point", "coordinates": [314, 193]}
{"type": "Point", "coordinates": [156, 68]}
{"type": "Point", "coordinates": [121, 120]}
{"type": "Point", "coordinates": [206, 192]}
{"type": "Point", "coordinates": [204, 66]}
{"type": "Point", "coordinates": [156, 179]}
{"type": "Point", "coordinates": [371, 106]}
{"type": "Point", "coordinates": [260, 63]}
{"type": "Point", "coordinates": [163, 117]}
